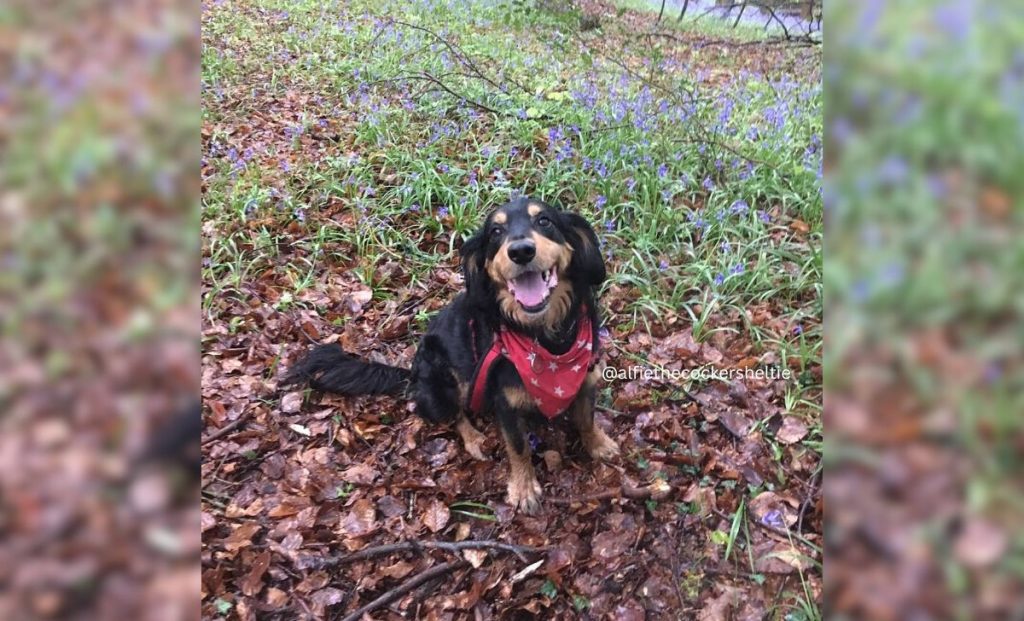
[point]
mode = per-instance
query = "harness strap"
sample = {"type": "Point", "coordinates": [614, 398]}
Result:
{"type": "Point", "coordinates": [476, 399]}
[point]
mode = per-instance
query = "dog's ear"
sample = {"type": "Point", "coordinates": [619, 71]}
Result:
{"type": "Point", "coordinates": [473, 253]}
{"type": "Point", "coordinates": [587, 260]}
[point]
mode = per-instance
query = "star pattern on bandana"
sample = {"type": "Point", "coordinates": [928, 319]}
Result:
{"type": "Point", "coordinates": [551, 380]}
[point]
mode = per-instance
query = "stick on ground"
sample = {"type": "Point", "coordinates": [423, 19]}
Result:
{"type": "Point", "coordinates": [419, 546]}
{"type": "Point", "coordinates": [405, 587]}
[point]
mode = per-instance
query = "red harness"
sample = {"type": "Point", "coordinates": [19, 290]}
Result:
{"type": "Point", "coordinates": [552, 380]}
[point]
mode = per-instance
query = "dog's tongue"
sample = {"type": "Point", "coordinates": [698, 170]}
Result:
{"type": "Point", "coordinates": [529, 289]}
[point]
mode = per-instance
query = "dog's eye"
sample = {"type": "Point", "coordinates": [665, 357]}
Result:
{"type": "Point", "coordinates": [496, 231]}
{"type": "Point", "coordinates": [543, 222]}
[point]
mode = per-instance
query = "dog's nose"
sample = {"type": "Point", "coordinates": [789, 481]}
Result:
{"type": "Point", "coordinates": [522, 252]}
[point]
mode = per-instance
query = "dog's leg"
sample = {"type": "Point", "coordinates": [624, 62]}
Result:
{"type": "Point", "coordinates": [581, 412]}
{"type": "Point", "coordinates": [524, 491]}
{"type": "Point", "coordinates": [471, 438]}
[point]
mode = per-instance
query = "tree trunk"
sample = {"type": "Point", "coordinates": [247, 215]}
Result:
{"type": "Point", "coordinates": [686, 3]}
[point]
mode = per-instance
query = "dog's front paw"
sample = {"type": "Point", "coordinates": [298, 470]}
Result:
{"type": "Point", "coordinates": [472, 439]}
{"type": "Point", "coordinates": [475, 449]}
{"type": "Point", "coordinates": [600, 446]}
{"type": "Point", "coordinates": [524, 494]}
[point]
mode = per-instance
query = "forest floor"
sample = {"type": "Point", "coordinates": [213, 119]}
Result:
{"type": "Point", "coordinates": [348, 148]}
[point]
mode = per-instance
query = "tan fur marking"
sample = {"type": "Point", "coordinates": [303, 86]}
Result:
{"type": "Point", "coordinates": [584, 239]}
{"type": "Point", "coordinates": [472, 439]}
{"type": "Point", "coordinates": [524, 491]}
{"type": "Point", "coordinates": [500, 266]}
{"type": "Point", "coordinates": [551, 253]}
{"type": "Point", "coordinates": [596, 442]}
{"type": "Point", "coordinates": [500, 217]}
{"type": "Point", "coordinates": [518, 398]}
{"type": "Point", "coordinates": [534, 209]}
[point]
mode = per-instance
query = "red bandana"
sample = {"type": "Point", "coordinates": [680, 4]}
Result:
{"type": "Point", "coordinates": [552, 380]}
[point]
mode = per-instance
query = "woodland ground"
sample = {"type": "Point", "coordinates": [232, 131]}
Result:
{"type": "Point", "coordinates": [349, 147]}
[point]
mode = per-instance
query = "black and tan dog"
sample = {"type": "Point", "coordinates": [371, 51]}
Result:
{"type": "Point", "coordinates": [521, 340]}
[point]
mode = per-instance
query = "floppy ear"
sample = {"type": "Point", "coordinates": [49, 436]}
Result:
{"type": "Point", "coordinates": [587, 261]}
{"type": "Point", "coordinates": [473, 254]}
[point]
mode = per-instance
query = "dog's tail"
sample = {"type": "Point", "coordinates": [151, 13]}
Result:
{"type": "Point", "coordinates": [331, 369]}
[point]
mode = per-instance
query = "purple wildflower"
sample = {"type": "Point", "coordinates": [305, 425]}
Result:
{"type": "Point", "coordinates": [740, 207]}
{"type": "Point", "coordinates": [600, 202]}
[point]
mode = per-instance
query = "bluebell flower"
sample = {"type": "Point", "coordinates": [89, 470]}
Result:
{"type": "Point", "coordinates": [763, 216]}
{"type": "Point", "coordinates": [726, 247]}
{"type": "Point", "coordinates": [663, 265]}
{"type": "Point", "coordinates": [740, 207]}
{"type": "Point", "coordinates": [739, 268]}
{"type": "Point", "coordinates": [442, 212]}
{"type": "Point", "coordinates": [708, 184]}
{"type": "Point", "coordinates": [719, 279]}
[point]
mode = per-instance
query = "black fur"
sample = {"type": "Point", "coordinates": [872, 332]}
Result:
{"type": "Point", "coordinates": [330, 368]}
{"type": "Point", "coordinates": [444, 365]}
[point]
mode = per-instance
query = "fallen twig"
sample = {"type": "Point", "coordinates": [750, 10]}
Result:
{"type": "Point", "coordinates": [420, 546]}
{"type": "Point", "coordinates": [656, 491]}
{"type": "Point", "coordinates": [405, 587]}
{"type": "Point", "coordinates": [226, 429]}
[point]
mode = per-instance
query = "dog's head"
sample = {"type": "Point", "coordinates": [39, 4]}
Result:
{"type": "Point", "coordinates": [533, 261]}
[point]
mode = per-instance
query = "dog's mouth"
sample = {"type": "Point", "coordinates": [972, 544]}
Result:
{"type": "Point", "coordinates": [532, 289]}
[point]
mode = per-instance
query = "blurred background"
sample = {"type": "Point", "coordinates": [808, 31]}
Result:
{"type": "Point", "coordinates": [924, 135]}
{"type": "Point", "coordinates": [99, 184]}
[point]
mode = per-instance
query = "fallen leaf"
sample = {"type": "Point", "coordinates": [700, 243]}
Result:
{"type": "Point", "coordinates": [476, 558]}
{"type": "Point", "coordinates": [610, 545]}
{"type": "Point", "coordinates": [361, 519]}
{"type": "Point", "coordinates": [253, 581]}
{"type": "Point", "coordinates": [241, 537]}
{"type": "Point", "coordinates": [291, 402]}
{"type": "Point", "coordinates": [526, 571]}
{"type": "Point", "coordinates": [328, 597]}
{"type": "Point", "coordinates": [772, 510]}
{"type": "Point", "coordinates": [360, 474]}
{"type": "Point", "coordinates": [980, 543]}
{"type": "Point", "coordinates": [719, 607]}
{"type": "Point", "coordinates": [792, 431]}
{"type": "Point", "coordinates": [300, 429]}
{"type": "Point", "coordinates": [737, 424]}
{"type": "Point", "coordinates": [436, 516]}
{"type": "Point", "coordinates": [397, 570]}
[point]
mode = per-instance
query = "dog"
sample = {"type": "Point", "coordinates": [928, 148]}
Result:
{"type": "Point", "coordinates": [520, 340]}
